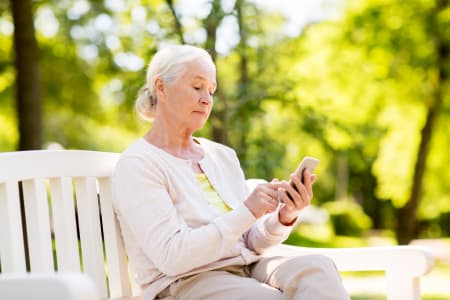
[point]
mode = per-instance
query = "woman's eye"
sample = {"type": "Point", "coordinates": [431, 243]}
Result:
{"type": "Point", "coordinates": [197, 88]}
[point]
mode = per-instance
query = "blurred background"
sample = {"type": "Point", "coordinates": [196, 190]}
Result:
{"type": "Point", "coordinates": [362, 85]}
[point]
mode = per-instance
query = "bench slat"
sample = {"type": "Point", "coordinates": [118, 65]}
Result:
{"type": "Point", "coordinates": [12, 251]}
{"type": "Point", "coordinates": [90, 234]}
{"type": "Point", "coordinates": [64, 224]}
{"type": "Point", "coordinates": [38, 225]}
{"type": "Point", "coordinates": [115, 254]}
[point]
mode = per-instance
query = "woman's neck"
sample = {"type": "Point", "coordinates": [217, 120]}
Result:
{"type": "Point", "coordinates": [179, 143]}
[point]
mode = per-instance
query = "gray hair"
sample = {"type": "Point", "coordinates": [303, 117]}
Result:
{"type": "Point", "coordinates": [167, 64]}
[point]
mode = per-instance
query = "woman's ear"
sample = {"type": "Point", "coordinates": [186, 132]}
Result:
{"type": "Point", "coordinates": [159, 87]}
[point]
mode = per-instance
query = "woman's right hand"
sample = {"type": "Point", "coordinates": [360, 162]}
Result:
{"type": "Point", "coordinates": [263, 199]}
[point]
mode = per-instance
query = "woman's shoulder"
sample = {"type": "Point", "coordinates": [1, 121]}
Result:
{"type": "Point", "coordinates": [140, 150]}
{"type": "Point", "coordinates": [139, 157]}
{"type": "Point", "coordinates": [136, 148]}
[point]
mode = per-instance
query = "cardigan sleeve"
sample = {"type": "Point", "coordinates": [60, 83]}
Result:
{"type": "Point", "coordinates": [267, 230]}
{"type": "Point", "coordinates": [143, 204]}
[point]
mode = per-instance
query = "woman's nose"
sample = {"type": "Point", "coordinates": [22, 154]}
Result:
{"type": "Point", "coordinates": [206, 98]}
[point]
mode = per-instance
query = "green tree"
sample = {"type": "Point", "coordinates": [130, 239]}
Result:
{"type": "Point", "coordinates": [411, 38]}
{"type": "Point", "coordinates": [28, 77]}
{"type": "Point", "coordinates": [438, 75]}
{"type": "Point", "coordinates": [356, 91]}
{"type": "Point", "coordinates": [385, 84]}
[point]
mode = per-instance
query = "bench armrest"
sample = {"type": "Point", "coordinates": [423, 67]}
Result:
{"type": "Point", "coordinates": [403, 265]}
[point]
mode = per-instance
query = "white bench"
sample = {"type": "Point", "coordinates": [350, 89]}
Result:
{"type": "Point", "coordinates": [68, 192]}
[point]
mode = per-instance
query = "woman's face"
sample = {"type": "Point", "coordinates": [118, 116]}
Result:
{"type": "Point", "coordinates": [187, 102]}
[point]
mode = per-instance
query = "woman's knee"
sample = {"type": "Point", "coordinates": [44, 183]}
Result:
{"type": "Point", "coordinates": [313, 262]}
{"type": "Point", "coordinates": [322, 259]}
{"type": "Point", "coordinates": [315, 258]}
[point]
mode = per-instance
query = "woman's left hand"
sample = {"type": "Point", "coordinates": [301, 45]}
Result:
{"type": "Point", "coordinates": [300, 196]}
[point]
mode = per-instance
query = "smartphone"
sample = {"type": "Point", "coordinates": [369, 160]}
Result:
{"type": "Point", "coordinates": [309, 163]}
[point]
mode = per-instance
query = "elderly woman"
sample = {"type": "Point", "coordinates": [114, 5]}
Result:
{"type": "Point", "coordinates": [191, 228]}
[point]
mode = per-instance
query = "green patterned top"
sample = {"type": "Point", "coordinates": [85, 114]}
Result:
{"type": "Point", "coordinates": [211, 194]}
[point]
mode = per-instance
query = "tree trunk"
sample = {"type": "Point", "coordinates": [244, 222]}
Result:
{"type": "Point", "coordinates": [178, 26]}
{"type": "Point", "coordinates": [243, 80]}
{"type": "Point", "coordinates": [407, 215]}
{"type": "Point", "coordinates": [341, 175]}
{"type": "Point", "coordinates": [219, 115]}
{"type": "Point", "coordinates": [28, 79]}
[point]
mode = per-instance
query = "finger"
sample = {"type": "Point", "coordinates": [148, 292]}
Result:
{"type": "Point", "coordinates": [289, 201]}
{"type": "Point", "coordinates": [307, 182]}
{"type": "Point", "coordinates": [301, 191]}
{"type": "Point", "coordinates": [306, 178]}
{"type": "Point", "coordinates": [271, 189]}
{"type": "Point", "coordinates": [272, 199]}
{"type": "Point", "coordinates": [270, 203]}
{"type": "Point", "coordinates": [289, 190]}
{"type": "Point", "coordinates": [264, 188]}
{"type": "Point", "coordinates": [268, 193]}
{"type": "Point", "coordinates": [275, 201]}
{"type": "Point", "coordinates": [276, 184]}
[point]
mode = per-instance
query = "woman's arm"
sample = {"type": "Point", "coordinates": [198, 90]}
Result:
{"type": "Point", "coordinates": [277, 226]}
{"type": "Point", "coordinates": [267, 232]}
{"type": "Point", "coordinates": [144, 206]}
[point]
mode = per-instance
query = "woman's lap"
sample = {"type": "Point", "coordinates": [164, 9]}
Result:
{"type": "Point", "coordinates": [301, 277]}
{"type": "Point", "coordinates": [222, 285]}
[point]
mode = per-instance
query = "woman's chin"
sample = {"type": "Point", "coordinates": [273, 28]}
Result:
{"type": "Point", "coordinates": [195, 127]}
{"type": "Point", "coordinates": [199, 123]}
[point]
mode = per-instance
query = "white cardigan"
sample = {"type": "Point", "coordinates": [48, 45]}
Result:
{"type": "Point", "coordinates": [168, 226]}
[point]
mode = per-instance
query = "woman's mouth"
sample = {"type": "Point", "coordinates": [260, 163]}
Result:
{"type": "Point", "coordinates": [203, 113]}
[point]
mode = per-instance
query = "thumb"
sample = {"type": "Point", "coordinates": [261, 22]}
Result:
{"type": "Point", "coordinates": [275, 184]}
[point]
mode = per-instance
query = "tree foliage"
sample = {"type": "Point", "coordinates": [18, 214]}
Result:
{"type": "Point", "coordinates": [367, 93]}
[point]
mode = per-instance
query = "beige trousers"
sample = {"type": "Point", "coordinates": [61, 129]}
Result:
{"type": "Point", "coordinates": [310, 277]}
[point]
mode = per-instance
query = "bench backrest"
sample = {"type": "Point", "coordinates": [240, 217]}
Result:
{"type": "Point", "coordinates": [56, 215]}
